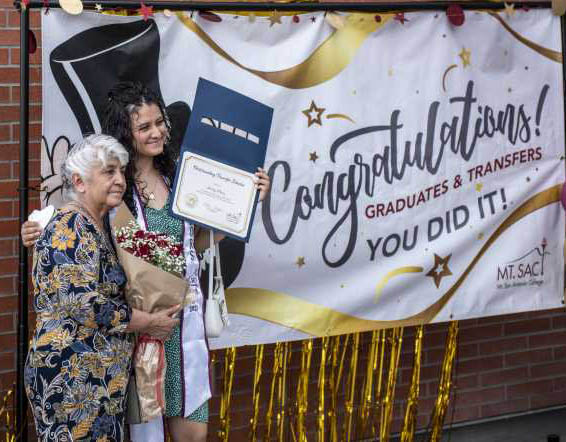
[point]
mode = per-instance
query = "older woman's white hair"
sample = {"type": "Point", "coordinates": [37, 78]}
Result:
{"type": "Point", "coordinates": [89, 153]}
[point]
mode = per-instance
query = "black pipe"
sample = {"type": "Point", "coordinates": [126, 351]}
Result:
{"type": "Point", "coordinates": [263, 6]}
{"type": "Point", "coordinates": [21, 401]}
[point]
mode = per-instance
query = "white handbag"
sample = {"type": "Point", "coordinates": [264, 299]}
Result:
{"type": "Point", "coordinates": [216, 313]}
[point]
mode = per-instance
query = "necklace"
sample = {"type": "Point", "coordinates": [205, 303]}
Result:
{"type": "Point", "coordinates": [151, 194]}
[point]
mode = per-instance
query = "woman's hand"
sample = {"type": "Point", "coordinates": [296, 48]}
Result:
{"type": "Point", "coordinates": [161, 323]}
{"type": "Point", "coordinates": [30, 232]}
{"type": "Point", "coordinates": [263, 183]}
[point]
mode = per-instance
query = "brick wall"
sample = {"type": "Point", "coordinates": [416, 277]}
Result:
{"type": "Point", "coordinates": [505, 364]}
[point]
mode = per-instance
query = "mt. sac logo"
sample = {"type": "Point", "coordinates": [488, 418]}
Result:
{"type": "Point", "coordinates": [523, 271]}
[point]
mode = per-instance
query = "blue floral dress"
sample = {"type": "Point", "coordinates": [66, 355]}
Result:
{"type": "Point", "coordinates": [78, 366]}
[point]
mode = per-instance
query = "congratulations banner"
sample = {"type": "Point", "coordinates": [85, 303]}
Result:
{"type": "Point", "coordinates": [416, 164]}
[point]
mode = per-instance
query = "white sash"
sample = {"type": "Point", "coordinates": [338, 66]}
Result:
{"type": "Point", "coordinates": [194, 349]}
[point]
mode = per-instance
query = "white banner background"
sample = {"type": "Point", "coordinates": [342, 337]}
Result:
{"type": "Point", "coordinates": [365, 75]}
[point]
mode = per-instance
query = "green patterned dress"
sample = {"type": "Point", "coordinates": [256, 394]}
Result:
{"type": "Point", "coordinates": [159, 220]}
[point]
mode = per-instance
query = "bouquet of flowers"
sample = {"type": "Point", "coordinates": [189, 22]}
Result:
{"type": "Point", "coordinates": [154, 264]}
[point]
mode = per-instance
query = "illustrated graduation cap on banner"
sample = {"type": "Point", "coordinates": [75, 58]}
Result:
{"type": "Point", "coordinates": [90, 63]}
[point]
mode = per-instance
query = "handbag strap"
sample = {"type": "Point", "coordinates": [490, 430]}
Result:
{"type": "Point", "coordinates": [217, 271]}
{"type": "Point", "coordinates": [210, 272]}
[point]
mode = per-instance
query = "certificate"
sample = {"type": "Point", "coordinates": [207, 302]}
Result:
{"type": "Point", "coordinates": [214, 194]}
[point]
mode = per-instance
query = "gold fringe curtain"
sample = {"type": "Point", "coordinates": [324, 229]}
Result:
{"type": "Point", "coordinates": [277, 365]}
{"type": "Point", "coordinates": [351, 389]}
{"type": "Point", "coordinates": [443, 397]}
{"type": "Point", "coordinates": [320, 424]}
{"type": "Point", "coordinates": [409, 423]}
{"type": "Point", "coordinates": [387, 408]}
{"type": "Point", "coordinates": [256, 391]}
{"type": "Point", "coordinates": [367, 416]}
{"type": "Point", "coordinates": [229, 366]}
{"type": "Point", "coordinates": [303, 391]}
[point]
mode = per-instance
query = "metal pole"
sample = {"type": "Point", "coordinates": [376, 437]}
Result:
{"type": "Point", "coordinates": [263, 6]}
{"type": "Point", "coordinates": [21, 401]}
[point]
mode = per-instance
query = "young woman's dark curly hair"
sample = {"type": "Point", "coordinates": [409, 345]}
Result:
{"type": "Point", "coordinates": [124, 99]}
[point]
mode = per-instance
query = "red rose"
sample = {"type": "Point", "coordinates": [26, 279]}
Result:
{"type": "Point", "coordinates": [139, 234]}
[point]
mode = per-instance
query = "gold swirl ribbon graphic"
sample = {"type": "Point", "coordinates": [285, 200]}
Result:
{"type": "Point", "coordinates": [317, 320]}
{"type": "Point", "coordinates": [392, 274]}
{"type": "Point", "coordinates": [326, 61]}
{"type": "Point", "coordinates": [545, 52]}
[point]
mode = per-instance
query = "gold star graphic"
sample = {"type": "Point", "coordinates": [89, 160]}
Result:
{"type": "Point", "coordinates": [479, 187]}
{"type": "Point", "coordinates": [314, 109]}
{"type": "Point", "coordinates": [300, 261]}
{"type": "Point", "coordinates": [440, 269]}
{"type": "Point", "coordinates": [98, 7]}
{"type": "Point", "coordinates": [313, 156]}
{"type": "Point", "coordinates": [275, 17]}
{"type": "Point", "coordinates": [465, 56]}
{"type": "Point", "coordinates": [509, 9]}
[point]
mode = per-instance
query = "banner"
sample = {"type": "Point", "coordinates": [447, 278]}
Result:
{"type": "Point", "coordinates": [416, 164]}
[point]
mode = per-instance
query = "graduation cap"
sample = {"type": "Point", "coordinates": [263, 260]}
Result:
{"type": "Point", "coordinates": [90, 63]}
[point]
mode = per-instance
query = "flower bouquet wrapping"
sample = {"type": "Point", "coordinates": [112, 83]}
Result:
{"type": "Point", "coordinates": [154, 264]}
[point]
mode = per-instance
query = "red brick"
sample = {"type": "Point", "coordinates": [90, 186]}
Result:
{"type": "Point", "coordinates": [7, 342]}
{"type": "Point", "coordinates": [503, 345]}
{"type": "Point", "coordinates": [529, 388]}
{"type": "Point", "coordinates": [487, 395]}
{"type": "Point", "coordinates": [10, 75]}
{"type": "Point", "coordinates": [7, 361]}
{"type": "Point", "coordinates": [480, 333]}
{"type": "Point", "coordinates": [34, 133]}
{"type": "Point", "coordinates": [4, 56]}
{"type": "Point", "coordinates": [559, 321]}
{"type": "Point", "coordinates": [526, 357]}
{"type": "Point", "coordinates": [506, 407]}
{"type": "Point", "coordinates": [549, 369]}
{"type": "Point", "coordinates": [34, 19]}
{"type": "Point", "coordinates": [547, 400]}
{"type": "Point", "coordinates": [504, 376]}
{"type": "Point", "coordinates": [12, 112]}
{"type": "Point", "coordinates": [481, 364]}
{"type": "Point", "coordinates": [8, 266]}
{"type": "Point", "coordinates": [10, 37]}
{"type": "Point", "coordinates": [34, 94]}
{"type": "Point", "coordinates": [529, 326]}
{"type": "Point", "coordinates": [547, 339]}
{"type": "Point", "coordinates": [34, 59]}
{"type": "Point", "coordinates": [7, 323]}
{"type": "Point", "coordinates": [465, 414]}
{"type": "Point", "coordinates": [9, 303]}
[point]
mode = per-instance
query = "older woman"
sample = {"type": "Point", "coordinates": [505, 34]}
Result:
{"type": "Point", "coordinates": [78, 365]}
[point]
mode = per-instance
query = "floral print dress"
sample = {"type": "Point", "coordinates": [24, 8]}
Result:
{"type": "Point", "coordinates": [78, 365]}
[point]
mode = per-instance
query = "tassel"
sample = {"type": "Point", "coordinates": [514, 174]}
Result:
{"type": "Point", "coordinates": [443, 397]}
{"type": "Point", "coordinates": [229, 365]}
{"type": "Point", "coordinates": [256, 391]}
{"type": "Point", "coordinates": [283, 392]}
{"type": "Point", "coordinates": [367, 389]}
{"type": "Point", "coordinates": [276, 369]}
{"type": "Point", "coordinates": [321, 388]}
{"type": "Point", "coordinates": [303, 390]}
{"type": "Point", "coordinates": [350, 389]}
{"type": "Point", "coordinates": [333, 388]}
{"type": "Point", "coordinates": [408, 433]}
{"type": "Point", "coordinates": [387, 409]}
